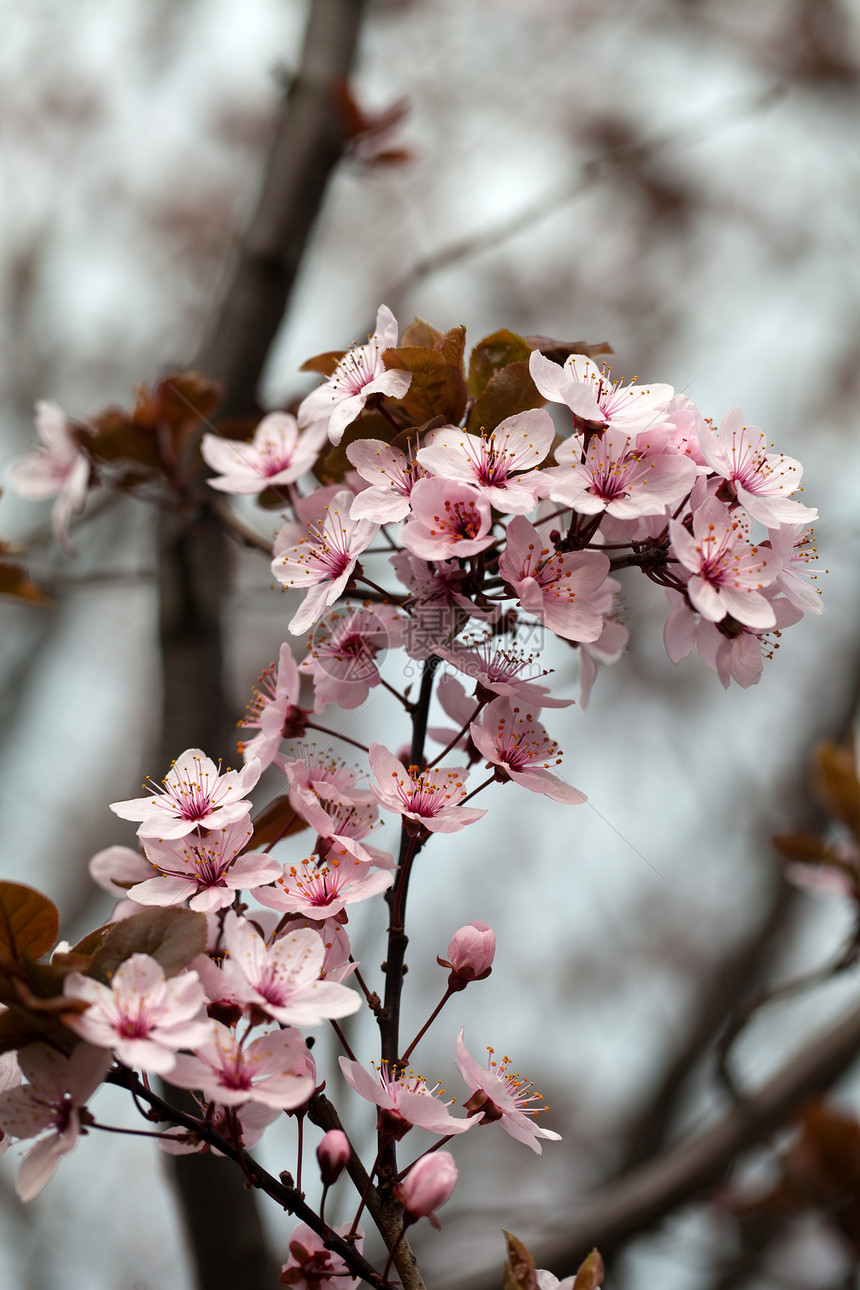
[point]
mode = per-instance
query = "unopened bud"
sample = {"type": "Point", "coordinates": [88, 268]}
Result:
{"type": "Point", "coordinates": [427, 1186]}
{"type": "Point", "coordinates": [470, 955]}
{"type": "Point", "coordinates": [333, 1155]}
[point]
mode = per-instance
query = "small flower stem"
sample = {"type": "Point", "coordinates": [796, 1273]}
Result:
{"type": "Point", "coordinates": [336, 734]}
{"type": "Point", "coordinates": [283, 832]}
{"type": "Point", "coordinates": [401, 698]}
{"type": "Point", "coordinates": [427, 1024]}
{"type": "Point", "coordinates": [342, 1037]}
{"type": "Point", "coordinates": [300, 1144]}
{"type": "Point", "coordinates": [458, 736]}
{"type": "Point", "coordinates": [371, 996]}
{"type": "Point", "coordinates": [474, 791]}
{"type": "Point", "coordinates": [388, 596]}
{"type": "Point", "coordinates": [350, 1236]}
{"type": "Point", "coordinates": [322, 1202]}
{"type": "Point", "coordinates": [436, 1147]}
{"type": "Point", "coordinates": [134, 1133]}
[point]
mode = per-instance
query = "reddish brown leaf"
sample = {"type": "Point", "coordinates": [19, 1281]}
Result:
{"type": "Point", "coordinates": [804, 847]}
{"type": "Point", "coordinates": [520, 1271]}
{"type": "Point", "coordinates": [560, 350]}
{"type": "Point", "coordinates": [173, 937]}
{"type": "Point", "coordinates": [325, 363]}
{"type": "Point", "coordinates": [15, 582]}
{"type": "Point", "coordinates": [508, 391]}
{"type": "Point", "coordinates": [29, 922]}
{"type": "Point", "coordinates": [591, 1273]}
{"type": "Point", "coordinates": [837, 785]}
{"type": "Point", "coordinates": [278, 820]}
{"type": "Point", "coordinates": [437, 389]}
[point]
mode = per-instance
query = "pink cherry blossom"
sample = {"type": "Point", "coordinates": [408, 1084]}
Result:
{"type": "Point", "coordinates": [728, 574]}
{"type": "Point", "coordinates": [321, 555]}
{"type": "Point", "coordinates": [497, 668]}
{"type": "Point", "coordinates": [141, 1016]}
{"type": "Point", "coordinates": [340, 827]}
{"type": "Point", "coordinates": [593, 396]}
{"type": "Point", "coordinates": [194, 795]}
{"type": "Point", "coordinates": [333, 1155]}
{"type": "Point", "coordinates": [470, 955]}
{"type": "Point", "coordinates": [762, 482]}
{"type": "Point", "coordinates": [283, 979]}
{"type": "Point", "coordinates": [513, 740]}
{"type": "Point", "coordinates": [429, 798]}
{"type": "Point", "coordinates": [498, 1094]}
{"type": "Point", "coordinates": [617, 476]}
{"type": "Point", "coordinates": [343, 649]}
{"type": "Point", "coordinates": [116, 869]}
{"type": "Point", "coordinates": [500, 464]}
{"type": "Point", "coordinates": [323, 891]}
{"type": "Point", "coordinates": [323, 774]}
{"type": "Point", "coordinates": [448, 519]}
{"type": "Point", "coordinates": [793, 544]}
{"type": "Point", "coordinates": [556, 587]}
{"type": "Point", "coordinates": [403, 1099]}
{"type": "Point", "coordinates": [60, 469]}
{"type": "Point", "coordinates": [731, 649]}
{"type": "Point", "coordinates": [392, 475]}
{"type": "Point", "coordinates": [276, 455]}
{"type": "Point", "coordinates": [207, 870]}
{"type": "Point", "coordinates": [50, 1108]}
{"type": "Point", "coordinates": [274, 710]}
{"type": "Point", "coordinates": [438, 607]}
{"type": "Point", "coordinates": [426, 1187]}
{"type": "Point", "coordinates": [270, 1069]}
{"type": "Point", "coordinates": [360, 373]}
{"type": "Point", "coordinates": [312, 1267]}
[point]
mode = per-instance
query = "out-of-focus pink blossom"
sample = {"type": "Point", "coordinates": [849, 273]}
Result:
{"type": "Point", "coordinates": [404, 1100]}
{"type": "Point", "coordinates": [793, 544]}
{"type": "Point", "coordinates": [141, 1016]}
{"type": "Point", "coordinates": [333, 1155]}
{"type": "Point", "coordinates": [194, 795]}
{"type": "Point", "coordinates": [312, 1267]}
{"type": "Point", "coordinates": [498, 1094]}
{"type": "Point", "coordinates": [276, 455]}
{"type": "Point", "coordinates": [50, 1107]}
{"type": "Point", "coordinates": [497, 668]}
{"type": "Point", "coordinates": [60, 469]}
{"type": "Point", "coordinates": [337, 402]}
{"type": "Point", "coordinates": [470, 955]}
{"type": "Point", "coordinates": [426, 1187]}
{"type": "Point", "coordinates": [513, 740]}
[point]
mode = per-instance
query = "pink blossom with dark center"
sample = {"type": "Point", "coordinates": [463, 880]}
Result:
{"type": "Point", "coordinates": [617, 476]}
{"type": "Point", "coordinates": [593, 396]}
{"type": "Point", "coordinates": [404, 1099]}
{"type": "Point", "coordinates": [448, 519]}
{"type": "Point", "coordinates": [271, 1069]}
{"type": "Point", "coordinates": [206, 870]}
{"type": "Point", "coordinates": [501, 465]}
{"type": "Point", "coordinates": [511, 739]}
{"type": "Point", "coordinates": [430, 799]}
{"type": "Point", "coordinates": [501, 1094]}
{"type": "Point", "coordinates": [343, 649]}
{"type": "Point", "coordinates": [60, 469]}
{"type": "Point", "coordinates": [312, 1267]}
{"type": "Point", "coordinates": [761, 481]}
{"type": "Point", "coordinates": [194, 795]}
{"type": "Point", "coordinates": [556, 587]}
{"type": "Point", "coordinates": [392, 475]}
{"type": "Point", "coordinates": [274, 710]}
{"type": "Point", "coordinates": [728, 574]}
{"type": "Point", "coordinates": [50, 1107]}
{"type": "Point", "coordinates": [276, 455]}
{"type": "Point", "coordinates": [321, 555]}
{"type": "Point", "coordinates": [142, 1017]}
{"type": "Point", "coordinates": [323, 891]}
{"type": "Point", "coordinates": [361, 373]}
{"type": "Point", "coordinates": [497, 668]}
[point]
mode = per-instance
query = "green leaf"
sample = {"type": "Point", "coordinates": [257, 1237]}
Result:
{"type": "Point", "coordinates": [520, 1271]}
{"type": "Point", "coordinates": [508, 391]}
{"type": "Point", "coordinates": [173, 937]}
{"type": "Point", "coordinates": [437, 389]}
{"type": "Point", "coordinates": [29, 922]}
{"type": "Point", "coordinates": [493, 353]}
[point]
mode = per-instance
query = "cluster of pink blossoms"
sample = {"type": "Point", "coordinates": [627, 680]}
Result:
{"type": "Point", "coordinates": [454, 544]}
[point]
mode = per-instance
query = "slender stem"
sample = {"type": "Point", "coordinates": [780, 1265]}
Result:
{"type": "Point", "coordinates": [459, 735]}
{"type": "Point", "coordinates": [389, 596]}
{"type": "Point", "coordinates": [364, 1195]}
{"type": "Point", "coordinates": [436, 1147]}
{"type": "Point", "coordinates": [283, 832]}
{"type": "Point", "coordinates": [392, 1252]}
{"type": "Point", "coordinates": [370, 995]}
{"type": "Point", "coordinates": [300, 1143]}
{"type": "Point", "coordinates": [342, 1037]}
{"type": "Point", "coordinates": [427, 1024]}
{"type": "Point", "coordinates": [336, 734]}
{"type": "Point", "coordinates": [401, 698]}
{"type": "Point", "coordinates": [134, 1133]}
{"type": "Point", "coordinates": [468, 796]}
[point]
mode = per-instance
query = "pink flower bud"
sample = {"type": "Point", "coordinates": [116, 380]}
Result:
{"type": "Point", "coordinates": [333, 1155]}
{"type": "Point", "coordinates": [427, 1186]}
{"type": "Point", "coordinates": [470, 955]}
